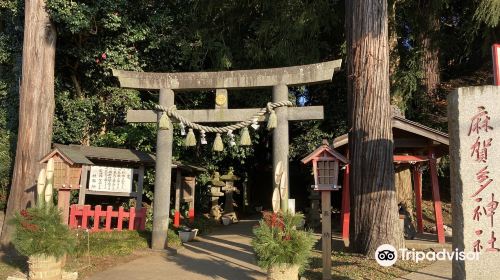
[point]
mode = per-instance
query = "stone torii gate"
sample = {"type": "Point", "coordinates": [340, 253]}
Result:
{"type": "Point", "coordinates": [170, 83]}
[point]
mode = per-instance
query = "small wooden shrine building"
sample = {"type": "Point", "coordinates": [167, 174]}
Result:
{"type": "Point", "coordinates": [110, 172]}
{"type": "Point", "coordinates": [416, 147]}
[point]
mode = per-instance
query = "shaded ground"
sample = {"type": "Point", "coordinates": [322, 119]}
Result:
{"type": "Point", "coordinates": [439, 270]}
{"type": "Point", "coordinates": [224, 254]}
{"type": "Point", "coordinates": [227, 254]}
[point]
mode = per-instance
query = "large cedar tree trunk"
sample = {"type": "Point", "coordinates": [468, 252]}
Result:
{"type": "Point", "coordinates": [430, 52]}
{"type": "Point", "coordinates": [36, 109]}
{"type": "Point", "coordinates": [375, 218]}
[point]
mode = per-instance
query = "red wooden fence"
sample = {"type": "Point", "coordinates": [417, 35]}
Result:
{"type": "Point", "coordinates": [80, 214]}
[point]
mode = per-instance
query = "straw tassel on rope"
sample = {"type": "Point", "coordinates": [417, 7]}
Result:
{"type": "Point", "coordinates": [272, 121]}
{"type": "Point", "coordinates": [164, 122]}
{"type": "Point", "coordinates": [218, 145]}
{"type": "Point", "coordinates": [190, 139]}
{"type": "Point", "coordinates": [245, 137]}
{"type": "Point", "coordinates": [269, 109]}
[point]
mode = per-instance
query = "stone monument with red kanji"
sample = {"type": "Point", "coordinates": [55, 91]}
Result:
{"type": "Point", "coordinates": [474, 118]}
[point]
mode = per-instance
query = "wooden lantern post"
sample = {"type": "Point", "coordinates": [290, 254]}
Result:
{"type": "Point", "coordinates": [326, 163]}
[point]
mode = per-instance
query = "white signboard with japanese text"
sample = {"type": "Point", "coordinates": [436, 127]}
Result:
{"type": "Point", "coordinates": [111, 179]}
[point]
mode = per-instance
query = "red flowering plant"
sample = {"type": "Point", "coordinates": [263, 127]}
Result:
{"type": "Point", "coordinates": [39, 231]}
{"type": "Point", "coordinates": [279, 241]}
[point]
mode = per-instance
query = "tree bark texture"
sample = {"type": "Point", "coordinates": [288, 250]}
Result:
{"type": "Point", "coordinates": [36, 109]}
{"type": "Point", "coordinates": [374, 211]}
{"type": "Point", "coordinates": [404, 188]}
{"type": "Point", "coordinates": [430, 52]}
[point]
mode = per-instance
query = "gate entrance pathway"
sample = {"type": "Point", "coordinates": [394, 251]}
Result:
{"type": "Point", "coordinates": [224, 254]}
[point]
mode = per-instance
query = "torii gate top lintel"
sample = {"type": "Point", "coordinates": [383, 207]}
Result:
{"type": "Point", "coordinates": [255, 78]}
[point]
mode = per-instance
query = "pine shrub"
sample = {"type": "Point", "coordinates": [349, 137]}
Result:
{"type": "Point", "coordinates": [39, 231]}
{"type": "Point", "coordinates": [279, 241]}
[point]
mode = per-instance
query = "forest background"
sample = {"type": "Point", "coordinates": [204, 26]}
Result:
{"type": "Point", "coordinates": [436, 46]}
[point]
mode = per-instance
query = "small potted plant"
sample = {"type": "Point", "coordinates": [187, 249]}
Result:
{"type": "Point", "coordinates": [279, 245]}
{"type": "Point", "coordinates": [226, 220]}
{"type": "Point", "coordinates": [187, 234]}
{"type": "Point", "coordinates": [40, 235]}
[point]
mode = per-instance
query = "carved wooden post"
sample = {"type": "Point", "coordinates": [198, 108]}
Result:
{"type": "Point", "coordinates": [161, 207]}
{"type": "Point", "coordinates": [326, 236]}
{"type": "Point", "coordinates": [281, 142]}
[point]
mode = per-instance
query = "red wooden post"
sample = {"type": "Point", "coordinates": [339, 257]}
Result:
{"type": "Point", "coordinates": [85, 215]}
{"type": "Point", "coordinates": [109, 214]}
{"type": "Point", "coordinates": [417, 185]}
{"type": "Point", "coordinates": [177, 219]}
{"type": "Point", "coordinates": [131, 218]}
{"type": "Point", "coordinates": [346, 205]}
{"type": "Point", "coordinates": [437, 199]}
{"type": "Point", "coordinates": [97, 217]}
{"type": "Point", "coordinates": [496, 64]}
{"type": "Point", "coordinates": [72, 217]}
{"type": "Point", "coordinates": [121, 214]}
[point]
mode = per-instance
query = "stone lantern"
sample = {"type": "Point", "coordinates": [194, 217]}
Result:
{"type": "Point", "coordinates": [229, 189]}
{"type": "Point", "coordinates": [215, 190]}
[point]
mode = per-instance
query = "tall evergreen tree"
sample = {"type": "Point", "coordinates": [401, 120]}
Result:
{"type": "Point", "coordinates": [488, 11]}
{"type": "Point", "coordinates": [36, 109]}
{"type": "Point", "coordinates": [373, 198]}
{"type": "Point", "coordinates": [429, 28]}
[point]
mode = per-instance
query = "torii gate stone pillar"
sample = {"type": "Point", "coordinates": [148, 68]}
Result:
{"type": "Point", "coordinates": [163, 171]}
{"type": "Point", "coordinates": [277, 78]}
{"type": "Point", "coordinates": [281, 141]}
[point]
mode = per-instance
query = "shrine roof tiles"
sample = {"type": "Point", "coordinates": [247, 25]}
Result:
{"type": "Point", "coordinates": [114, 154]}
{"type": "Point", "coordinates": [402, 124]}
{"type": "Point", "coordinates": [320, 152]}
{"type": "Point", "coordinates": [72, 156]}
{"type": "Point", "coordinates": [77, 154]}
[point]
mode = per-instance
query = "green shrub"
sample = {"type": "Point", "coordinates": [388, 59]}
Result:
{"type": "Point", "coordinates": [278, 241]}
{"type": "Point", "coordinates": [39, 231]}
{"type": "Point", "coordinates": [173, 239]}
